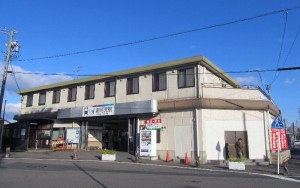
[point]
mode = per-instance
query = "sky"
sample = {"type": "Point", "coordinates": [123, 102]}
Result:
{"type": "Point", "coordinates": [52, 28]}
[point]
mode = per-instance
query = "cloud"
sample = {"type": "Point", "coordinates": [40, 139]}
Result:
{"type": "Point", "coordinates": [23, 80]}
{"type": "Point", "coordinates": [290, 81]}
{"type": "Point", "coordinates": [247, 80]}
{"type": "Point", "coordinates": [11, 109]}
{"type": "Point", "coordinates": [26, 79]}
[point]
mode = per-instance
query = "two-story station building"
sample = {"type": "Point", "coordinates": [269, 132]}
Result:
{"type": "Point", "coordinates": [193, 107]}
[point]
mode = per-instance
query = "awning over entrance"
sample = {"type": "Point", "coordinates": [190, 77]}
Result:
{"type": "Point", "coordinates": [110, 110]}
{"type": "Point", "coordinates": [36, 116]}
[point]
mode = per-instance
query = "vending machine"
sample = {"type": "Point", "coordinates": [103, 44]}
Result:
{"type": "Point", "coordinates": [148, 143]}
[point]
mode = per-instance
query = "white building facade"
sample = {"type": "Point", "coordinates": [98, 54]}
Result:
{"type": "Point", "coordinates": [199, 107]}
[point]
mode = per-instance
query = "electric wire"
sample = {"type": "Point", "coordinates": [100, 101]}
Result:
{"type": "Point", "coordinates": [290, 50]}
{"type": "Point", "coordinates": [13, 74]}
{"type": "Point", "coordinates": [281, 47]}
{"type": "Point", "coordinates": [118, 75]}
{"type": "Point", "coordinates": [165, 36]}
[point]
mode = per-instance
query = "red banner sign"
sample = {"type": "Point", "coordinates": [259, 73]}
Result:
{"type": "Point", "coordinates": [283, 139]}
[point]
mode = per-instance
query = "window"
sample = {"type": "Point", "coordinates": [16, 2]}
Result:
{"type": "Point", "coordinates": [186, 78]}
{"type": "Point", "coordinates": [42, 98]}
{"type": "Point", "coordinates": [159, 82]}
{"type": "Point", "coordinates": [56, 97]}
{"type": "Point", "coordinates": [29, 100]}
{"type": "Point", "coordinates": [110, 89]}
{"type": "Point", "coordinates": [133, 85]}
{"type": "Point", "coordinates": [72, 92]}
{"type": "Point", "coordinates": [89, 91]}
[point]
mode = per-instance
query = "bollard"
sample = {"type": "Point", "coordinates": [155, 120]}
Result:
{"type": "Point", "coordinates": [7, 152]}
{"type": "Point", "coordinates": [137, 156]}
{"type": "Point", "coordinates": [197, 162]}
{"type": "Point", "coordinates": [74, 156]}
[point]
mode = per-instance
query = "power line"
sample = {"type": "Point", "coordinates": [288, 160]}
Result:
{"type": "Point", "coordinates": [227, 72]}
{"type": "Point", "coordinates": [14, 77]}
{"type": "Point", "coordinates": [164, 36]}
{"type": "Point", "coordinates": [281, 47]}
{"type": "Point", "coordinates": [290, 50]}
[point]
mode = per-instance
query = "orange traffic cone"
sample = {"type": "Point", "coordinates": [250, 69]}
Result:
{"type": "Point", "coordinates": [186, 159]}
{"type": "Point", "coordinates": [168, 157]}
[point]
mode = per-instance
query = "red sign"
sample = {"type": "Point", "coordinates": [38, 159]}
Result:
{"type": "Point", "coordinates": [153, 124]}
{"type": "Point", "coordinates": [283, 139]}
{"type": "Point", "coordinates": [152, 121]}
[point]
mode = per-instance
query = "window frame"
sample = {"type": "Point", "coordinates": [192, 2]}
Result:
{"type": "Point", "coordinates": [87, 93]}
{"type": "Point", "coordinates": [70, 94]}
{"type": "Point", "coordinates": [55, 98]}
{"type": "Point", "coordinates": [29, 103]}
{"type": "Point", "coordinates": [43, 93]}
{"type": "Point", "coordinates": [107, 89]}
{"type": "Point", "coordinates": [156, 81]}
{"type": "Point", "coordinates": [185, 78]}
{"type": "Point", "coordinates": [130, 86]}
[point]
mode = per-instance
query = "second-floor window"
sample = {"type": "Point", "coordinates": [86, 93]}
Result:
{"type": "Point", "coordinates": [186, 78]}
{"type": "Point", "coordinates": [29, 100]}
{"type": "Point", "coordinates": [159, 82]}
{"type": "Point", "coordinates": [89, 92]}
{"type": "Point", "coordinates": [72, 92]}
{"type": "Point", "coordinates": [42, 98]}
{"type": "Point", "coordinates": [56, 97]}
{"type": "Point", "coordinates": [110, 89]}
{"type": "Point", "coordinates": [133, 85]}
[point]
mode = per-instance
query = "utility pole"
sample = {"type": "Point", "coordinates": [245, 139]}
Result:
{"type": "Point", "coordinates": [12, 46]}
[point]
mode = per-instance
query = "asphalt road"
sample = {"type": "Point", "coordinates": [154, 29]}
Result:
{"type": "Point", "coordinates": [31, 173]}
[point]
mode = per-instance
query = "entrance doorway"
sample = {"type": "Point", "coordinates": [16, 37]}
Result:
{"type": "Point", "coordinates": [231, 137]}
{"type": "Point", "coordinates": [117, 134]}
{"type": "Point", "coordinates": [40, 136]}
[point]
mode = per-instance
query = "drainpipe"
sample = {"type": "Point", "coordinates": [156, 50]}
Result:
{"type": "Point", "coordinates": [116, 91]}
{"type": "Point", "coordinates": [198, 80]}
{"type": "Point", "coordinates": [196, 123]}
{"type": "Point", "coordinates": [266, 135]}
{"type": "Point", "coordinates": [269, 134]}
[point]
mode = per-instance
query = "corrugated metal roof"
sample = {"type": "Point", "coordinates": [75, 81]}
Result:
{"type": "Point", "coordinates": [140, 70]}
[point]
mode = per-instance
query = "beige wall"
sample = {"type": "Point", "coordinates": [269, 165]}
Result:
{"type": "Point", "coordinates": [216, 122]}
{"type": "Point", "coordinates": [232, 93]}
{"type": "Point", "coordinates": [177, 135]}
{"type": "Point", "coordinates": [145, 93]}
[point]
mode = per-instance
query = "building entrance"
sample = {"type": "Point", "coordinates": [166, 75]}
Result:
{"type": "Point", "coordinates": [231, 137]}
{"type": "Point", "coordinates": [40, 136]}
{"type": "Point", "coordinates": [116, 134]}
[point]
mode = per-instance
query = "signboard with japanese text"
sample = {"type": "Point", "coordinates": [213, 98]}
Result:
{"type": "Point", "coordinates": [283, 139]}
{"type": "Point", "coordinates": [98, 110]}
{"type": "Point", "coordinates": [73, 135]}
{"type": "Point", "coordinates": [153, 124]}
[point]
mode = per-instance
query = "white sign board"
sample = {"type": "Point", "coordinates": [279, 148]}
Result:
{"type": "Point", "coordinates": [73, 135]}
{"type": "Point", "coordinates": [98, 110]}
{"type": "Point", "coordinates": [153, 124]}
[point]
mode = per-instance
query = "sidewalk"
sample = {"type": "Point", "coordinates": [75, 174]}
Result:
{"type": "Point", "coordinates": [294, 163]}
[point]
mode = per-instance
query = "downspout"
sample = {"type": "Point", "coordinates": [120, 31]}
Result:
{"type": "Point", "coordinates": [116, 90]}
{"type": "Point", "coordinates": [269, 134]}
{"type": "Point", "coordinates": [196, 123]}
{"type": "Point", "coordinates": [196, 117]}
{"type": "Point", "coordinates": [266, 136]}
{"type": "Point", "coordinates": [198, 81]}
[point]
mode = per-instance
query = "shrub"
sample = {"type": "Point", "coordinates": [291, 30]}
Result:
{"type": "Point", "coordinates": [108, 151]}
{"type": "Point", "coordinates": [234, 159]}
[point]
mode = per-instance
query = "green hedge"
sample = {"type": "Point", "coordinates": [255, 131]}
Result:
{"type": "Point", "coordinates": [107, 151]}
